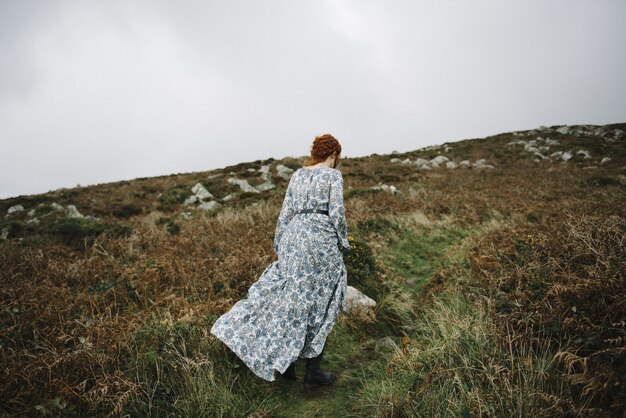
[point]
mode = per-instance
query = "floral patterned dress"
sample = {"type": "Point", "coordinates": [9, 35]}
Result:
{"type": "Point", "coordinates": [293, 306]}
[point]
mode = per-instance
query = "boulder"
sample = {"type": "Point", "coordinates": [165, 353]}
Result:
{"type": "Point", "coordinates": [451, 164]}
{"type": "Point", "coordinates": [190, 200]}
{"type": "Point", "coordinates": [243, 185]}
{"type": "Point", "coordinates": [201, 192]}
{"type": "Point", "coordinates": [583, 153]}
{"type": "Point", "coordinates": [265, 186]}
{"type": "Point", "coordinates": [355, 300]}
{"type": "Point", "coordinates": [208, 205]}
{"type": "Point", "coordinates": [15, 208]}
{"type": "Point", "coordinates": [395, 160]}
{"type": "Point", "coordinates": [283, 171]}
{"type": "Point", "coordinates": [440, 159]}
{"type": "Point", "coordinates": [420, 163]}
{"type": "Point", "coordinates": [465, 164]}
{"type": "Point", "coordinates": [566, 156]}
{"type": "Point", "coordinates": [72, 212]}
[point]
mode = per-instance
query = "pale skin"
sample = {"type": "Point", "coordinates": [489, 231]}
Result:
{"type": "Point", "coordinates": [328, 162]}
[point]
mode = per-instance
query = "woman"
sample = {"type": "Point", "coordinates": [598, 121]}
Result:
{"type": "Point", "coordinates": [293, 306]}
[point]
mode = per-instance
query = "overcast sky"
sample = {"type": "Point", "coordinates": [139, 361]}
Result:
{"type": "Point", "coordinates": [99, 91]}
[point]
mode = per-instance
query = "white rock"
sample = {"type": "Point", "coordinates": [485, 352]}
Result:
{"type": "Point", "coordinates": [15, 208]}
{"type": "Point", "coordinates": [447, 148]}
{"type": "Point", "coordinates": [356, 300]}
{"type": "Point", "coordinates": [265, 186]}
{"type": "Point", "coordinates": [72, 212]}
{"type": "Point", "coordinates": [556, 154]}
{"type": "Point", "coordinates": [465, 164]}
{"type": "Point", "coordinates": [251, 170]}
{"type": "Point", "coordinates": [4, 233]}
{"type": "Point", "coordinates": [518, 142]}
{"type": "Point", "coordinates": [395, 160]}
{"type": "Point", "coordinates": [385, 187]}
{"type": "Point", "coordinates": [56, 206]}
{"type": "Point", "coordinates": [564, 130]}
{"type": "Point", "coordinates": [30, 213]}
{"type": "Point", "coordinates": [566, 156]}
{"type": "Point", "coordinates": [208, 205]}
{"type": "Point", "coordinates": [190, 200]}
{"type": "Point", "coordinates": [406, 161]}
{"type": "Point", "coordinates": [605, 160]}
{"type": "Point", "coordinates": [265, 172]}
{"type": "Point", "coordinates": [484, 166]}
{"type": "Point", "coordinates": [284, 171]}
{"type": "Point", "coordinates": [552, 141]}
{"type": "Point", "coordinates": [201, 192]}
{"type": "Point", "coordinates": [440, 159]}
{"type": "Point", "coordinates": [228, 197]}
{"type": "Point", "coordinates": [33, 221]}
{"type": "Point", "coordinates": [185, 215]}
{"type": "Point", "coordinates": [539, 155]}
{"type": "Point", "coordinates": [451, 164]}
{"type": "Point", "coordinates": [420, 162]}
{"type": "Point", "coordinates": [583, 153]}
{"type": "Point", "coordinates": [243, 185]}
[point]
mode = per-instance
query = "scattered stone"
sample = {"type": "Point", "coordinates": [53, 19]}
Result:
{"type": "Point", "coordinates": [566, 156]}
{"type": "Point", "coordinates": [605, 160]}
{"type": "Point", "coordinates": [208, 205]}
{"type": "Point", "coordinates": [33, 221]}
{"type": "Point", "coordinates": [201, 192]}
{"type": "Point", "coordinates": [265, 186]}
{"type": "Point", "coordinates": [551, 141]}
{"type": "Point", "coordinates": [72, 212]}
{"type": "Point", "coordinates": [482, 163]}
{"type": "Point", "coordinates": [283, 171]}
{"type": "Point", "coordinates": [447, 148]}
{"type": "Point", "coordinates": [387, 188]}
{"type": "Point", "coordinates": [243, 185]}
{"type": "Point", "coordinates": [556, 154]}
{"type": "Point", "coordinates": [15, 208]}
{"type": "Point", "coordinates": [406, 161]}
{"type": "Point", "coordinates": [31, 213]}
{"type": "Point", "coordinates": [4, 234]}
{"type": "Point", "coordinates": [185, 215]}
{"type": "Point", "coordinates": [251, 170]}
{"type": "Point", "coordinates": [385, 344]}
{"type": "Point", "coordinates": [395, 160]}
{"type": "Point", "coordinates": [228, 197]}
{"type": "Point", "coordinates": [564, 130]}
{"type": "Point", "coordinates": [190, 200]}
{"type": "Point", "coordinates": [212, 176]}
{"type": "Point", "coordinates": [465, 164]}
{"type": "Point", "coordinates": [265, 172]}
{"type": "Point", "coordinates": [355, 300]}
{"type": "Point", "coordinates": [589, 167]}
{"type": "Point", "coordinates": [440, 159]}
{"type": "Point", "coordinates": [583, 153]}
{"type": "Point", "coordinates": [451, 164]}
{"type": "Point", "coordinates": [422, 163]}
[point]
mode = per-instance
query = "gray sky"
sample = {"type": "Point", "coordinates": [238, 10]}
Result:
{"type": "Point", "coordinates": [99, 91]}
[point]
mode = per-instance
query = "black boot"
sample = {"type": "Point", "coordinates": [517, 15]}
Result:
{"type": "Point", "coordinates": [290, 373]}
{"type": "Point", "coordinates": [314, 376]}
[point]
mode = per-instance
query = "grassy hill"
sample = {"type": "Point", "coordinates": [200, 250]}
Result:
{"type": "Point", "coordinates": [500, 291]}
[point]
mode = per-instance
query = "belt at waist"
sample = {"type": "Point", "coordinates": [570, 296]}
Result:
{"type": "Point", "coordinates": [325, 212]}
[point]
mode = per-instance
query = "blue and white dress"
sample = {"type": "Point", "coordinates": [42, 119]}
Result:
{"type": "Point", "coordinates": [293, 306]}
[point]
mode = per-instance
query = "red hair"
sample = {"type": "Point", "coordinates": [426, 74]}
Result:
{"type": "Point", "coordinates": [324, 146]}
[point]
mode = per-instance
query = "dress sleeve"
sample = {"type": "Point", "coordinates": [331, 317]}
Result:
{"type": "Point", "coordinates": [337, 212]}
{"type": "Point", "coordinates": [286, 213]}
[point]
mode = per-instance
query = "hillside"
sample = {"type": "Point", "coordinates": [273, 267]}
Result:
{"type": "Point", "coordinates": [497, 265]}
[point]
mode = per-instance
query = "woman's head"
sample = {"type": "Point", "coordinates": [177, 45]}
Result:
{"type": "Point", "coordinates": [323, 147]}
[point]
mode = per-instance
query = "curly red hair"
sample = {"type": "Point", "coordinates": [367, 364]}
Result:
{"type": "Point", "coordinates": [324, 146]}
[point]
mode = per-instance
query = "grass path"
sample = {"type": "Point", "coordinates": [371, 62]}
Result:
{"type": "Point", "coordinates": [413, 252]}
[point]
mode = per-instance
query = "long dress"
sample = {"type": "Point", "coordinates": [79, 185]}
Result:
{"type": "Point", "coordinates": [290, 310]}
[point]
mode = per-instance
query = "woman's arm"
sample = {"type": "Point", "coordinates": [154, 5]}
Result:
{"type": "Point", "coordinates": [286, 213]}
{"type": "Point", "coordinates": [337, 212]}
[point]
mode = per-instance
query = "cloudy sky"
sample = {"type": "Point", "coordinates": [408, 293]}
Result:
{"type": "Point", "coordinates": [99, 91]}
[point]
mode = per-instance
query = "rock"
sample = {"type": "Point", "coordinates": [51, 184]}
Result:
{"type": "Point", "coordinates": [549, 141]}
{"type": "Point", "coordinates": [33, 221]}
{"type": "Point", "coordinates": [566, 156]}
{"type": "Point", "coordinates": [518, 142]}
{"type": "Point", "coordinates": [605, 160]}
{"type": "Point", "coordinates": [420, 162]}
{"type": "Point", "coordinates": [451, 164]}
{"type": "Point", "coordinates": [440, 159]}
{"type": "Point", "coordinates": [228, 197]}
{"type": "Point", "coordinates": [265, 172]}
{"type": "Point", "coordinates": [556, 154]}
{"type": "Point", "coordinates": [406, 161]}
{"type": "Point", "coordinates": [564, 130]}
{"type": "Point", "coordinates": [208, 205]}
{"type": "Point", "coordinates": [395, 160]}
{"type": "Point", "coordinates": [72, 212]}
{"type": "Point", "coordinates": [465, 164]}
{"type": "Point", "coordinates": [482, 163]}
{"type": "Point", "coordinates": [283, 171]}
{"type": "Point", "coordinates": [583, 153]}
{"type": "Point", "coordinates": [4, 233]}
{"type": "Point", "coordinates": [243, 185]}
{"type": "Point", "coordinates": [447, 148]}
{"type": "Point", "coordinates": [15, 208]}
{"type": "Point", "coordinates": [212, 176]}
{"type": "Point", "coordinates": [391, 189]}
{"type": "Point", "coordinates": [265, 186]}
{"type": "Point", "coordinates": [385, 344]}
{"type": "Point", "coordinates": [251, 170]}
{"type": "Point", "coordinates": [31, 213]}
{"type": "Point", "coordinates": [185, 215]}
{"type": "Point", "coordinates": [355, 300]}
{"type": "Point", "coordinates": [201, 192]}
{"type": "Point", "coordinates": [190, 200]}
